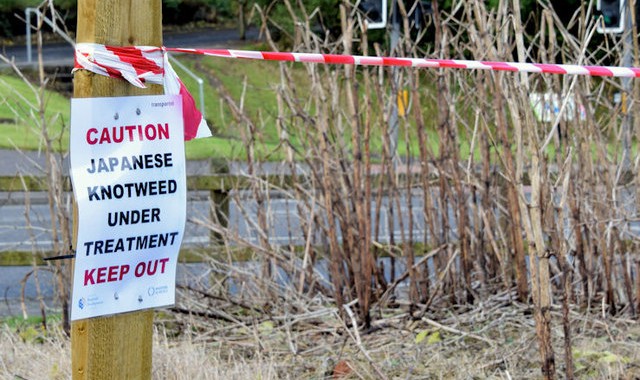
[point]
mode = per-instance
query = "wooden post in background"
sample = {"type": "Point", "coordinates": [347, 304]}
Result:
{"type": "Point", "coordinates": [115, 347]}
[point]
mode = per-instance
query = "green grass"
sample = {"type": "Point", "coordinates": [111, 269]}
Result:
{"type": "Point", "coordinates": [259, 104]}
{"type": "Point", "coordinates": [20, 117]}
{"type": "Point", "coordinates": [255, 82]}
{"type": "Point", "coordinates": [31, 329]}
{"type": "Point", "coordinates": [22, 324]}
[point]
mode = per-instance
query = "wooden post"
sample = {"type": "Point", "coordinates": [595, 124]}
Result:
{"type": "Point", "coordinates": [115, 347]}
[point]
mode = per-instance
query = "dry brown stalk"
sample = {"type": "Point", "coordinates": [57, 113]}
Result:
{"type": "Point", "coordinates": [549, 190]}
{"type": "Point", "coordinates": [39, 122]}
{"type": "Point", "coordinates": [437, 232]}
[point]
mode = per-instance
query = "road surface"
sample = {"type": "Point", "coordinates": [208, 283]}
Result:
{"type": "Point", "coordinates": [16, 235]}
{"type": "Point", "coordinates": [60, 54]}
{"type": "Point", "coordinates": [284, 228]}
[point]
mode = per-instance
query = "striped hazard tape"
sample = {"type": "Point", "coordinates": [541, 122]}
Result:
{"type": "Point", "coordinates": [542, 68]}
{"type": "Point", "coordinates": [139, 65]}
{"type": "Point", "coordinates": [148, 64]}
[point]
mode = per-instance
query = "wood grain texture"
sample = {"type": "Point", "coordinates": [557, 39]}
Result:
{"type": "Point", "coordinates": [114, 347]}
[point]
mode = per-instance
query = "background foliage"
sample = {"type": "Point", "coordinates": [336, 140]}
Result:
{"type": "Point", "coordinates": [177, 12]}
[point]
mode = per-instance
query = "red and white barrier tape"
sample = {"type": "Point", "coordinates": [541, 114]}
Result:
{"type": "Point", "coordinates": [140, 64]}
{"type": "Point", "coordinates": [544, 68]}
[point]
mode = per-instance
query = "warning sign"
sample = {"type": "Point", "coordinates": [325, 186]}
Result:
{"type": "Point", "coordinates": [129, 181]}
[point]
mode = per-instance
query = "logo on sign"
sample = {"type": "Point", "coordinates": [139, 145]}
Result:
{"type": "Point", "coordinates": [155, 290]}
{"type": "Point", "coordinates": [81, 303]}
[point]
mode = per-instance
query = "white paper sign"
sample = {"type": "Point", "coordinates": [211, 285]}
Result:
{"type": "Point", "coordinates": [129, 180]}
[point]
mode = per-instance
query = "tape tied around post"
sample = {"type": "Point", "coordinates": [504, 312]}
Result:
{"type": "Point", "coordinates": [139, 65]}
{"type": "Point", "coordinates": [147, 64]}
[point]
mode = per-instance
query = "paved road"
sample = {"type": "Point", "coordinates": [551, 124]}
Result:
{"type": "Point", "coordinates": [61, 54]}
{"type": "Point", "coordinates": [282, 217]}
{"type": "Point", "coordinates": [15, 234]}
